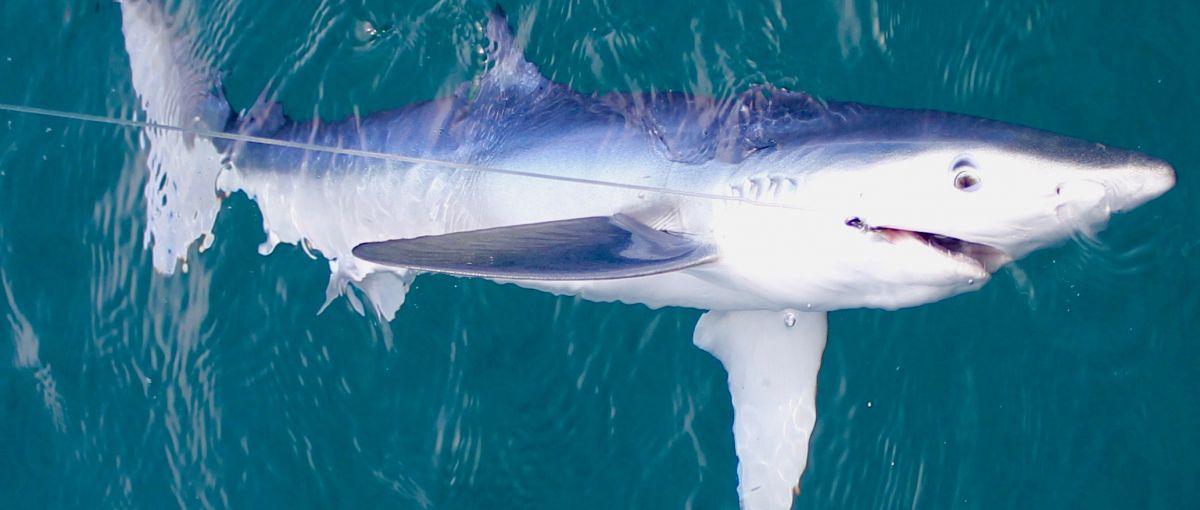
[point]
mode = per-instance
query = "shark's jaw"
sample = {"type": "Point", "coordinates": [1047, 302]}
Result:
{"type": "Point", "coordinates": [981, 258]}
{"type": "Point", "coordinates": [986, 258]}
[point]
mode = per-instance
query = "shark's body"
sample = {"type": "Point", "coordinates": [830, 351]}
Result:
{"type": "Point", "coordinates": [767, 209]}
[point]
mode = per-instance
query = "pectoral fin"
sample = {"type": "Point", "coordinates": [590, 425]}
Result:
{"type": "Point", "coordinates": [595, 248]}
{"type": "Point", "coordinates": [772, 359]}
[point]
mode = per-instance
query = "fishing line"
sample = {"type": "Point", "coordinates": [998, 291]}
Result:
{"type": "Point", "coordinates": [139, 124]}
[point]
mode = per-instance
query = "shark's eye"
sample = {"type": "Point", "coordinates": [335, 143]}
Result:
{"type": "Point", "coordinates": [966, 180]}
{"type": "Point", "coordinates": [965, 177]}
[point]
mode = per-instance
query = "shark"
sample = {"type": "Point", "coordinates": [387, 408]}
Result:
{"type": "Point", "coordinates": [767, 209]}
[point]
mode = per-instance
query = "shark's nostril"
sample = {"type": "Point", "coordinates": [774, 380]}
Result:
{"type": "Point", "coordinates": [1058, 189]}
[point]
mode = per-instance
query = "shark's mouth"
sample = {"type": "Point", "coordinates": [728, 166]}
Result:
{"type": "Point", "coordinates": [988, 258]}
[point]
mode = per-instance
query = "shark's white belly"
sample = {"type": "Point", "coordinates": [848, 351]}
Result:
{"type": "Point", "coordinates": [333, 211]}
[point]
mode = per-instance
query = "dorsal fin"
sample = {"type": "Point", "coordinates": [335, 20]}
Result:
{"type": "Point", "coordinates": [508, 70]}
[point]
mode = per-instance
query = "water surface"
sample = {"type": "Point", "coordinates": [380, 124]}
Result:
{"type": "Point", "coordinates": [1068, 382]}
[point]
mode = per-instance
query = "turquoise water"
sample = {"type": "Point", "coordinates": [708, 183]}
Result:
{"type": "Point", "coordinates": [1068, 382]}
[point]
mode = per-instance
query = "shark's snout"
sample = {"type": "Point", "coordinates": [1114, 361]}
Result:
{"type": "Point", "coordinates": [1120, 188]}
{"type": "Point", "coordinates": [1148, 181]}
{"type": "Point", "coordinates": [1139, 182]}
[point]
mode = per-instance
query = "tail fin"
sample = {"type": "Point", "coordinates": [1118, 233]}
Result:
{"type": "Point", "coordinates": [177, 87]}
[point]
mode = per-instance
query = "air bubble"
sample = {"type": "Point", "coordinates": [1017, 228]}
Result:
{"type": "Point", "coordinates": [789, 319]}
{"type": "Point", "coordinates": [365, 31]}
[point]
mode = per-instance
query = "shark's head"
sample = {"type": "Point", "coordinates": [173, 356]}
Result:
{"type": "Point", "coordinates": [928, 204]}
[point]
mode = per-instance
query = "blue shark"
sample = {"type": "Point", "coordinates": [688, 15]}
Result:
{"type": "Point", "coordinates": [767, 210]}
